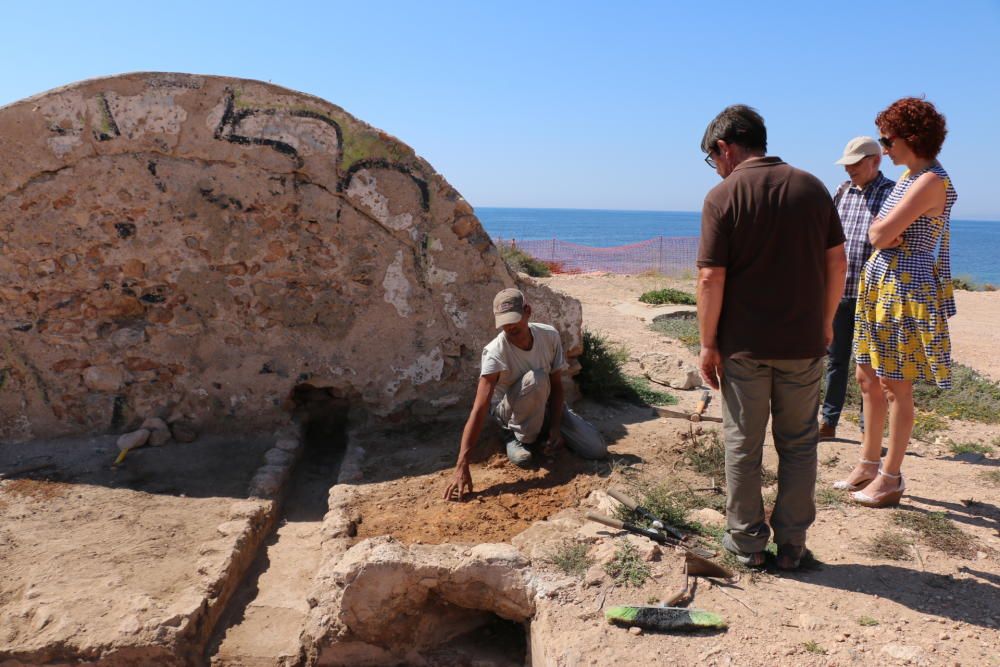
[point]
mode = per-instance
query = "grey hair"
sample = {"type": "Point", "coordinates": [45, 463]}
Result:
{"type": "Point", "coordinates": [736, 124]}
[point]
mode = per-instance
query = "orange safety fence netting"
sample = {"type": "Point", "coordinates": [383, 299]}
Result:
{"type": "Point", "coordinates": [671, 256]}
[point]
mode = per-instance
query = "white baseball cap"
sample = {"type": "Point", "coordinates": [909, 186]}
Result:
{"type": "Point", "coordinates": [858, 149]}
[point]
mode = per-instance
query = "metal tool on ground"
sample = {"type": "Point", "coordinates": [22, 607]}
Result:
{"type": "Point", "coordinates": [654, 521]}
{"type": "Point", "coordinates": [686, 416]}
{"type": "Point", "coordinates": [699, 409]}
{"type": "Point", "coordinates": [655, 535]}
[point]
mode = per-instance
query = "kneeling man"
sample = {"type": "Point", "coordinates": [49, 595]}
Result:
{"type": "Point", "coordinates": [520, 384]}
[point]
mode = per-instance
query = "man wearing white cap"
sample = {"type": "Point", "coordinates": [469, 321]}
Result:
{"type": "Point", "coordinates": [858, 202]}
{"type": "Point", "coordinates": [520, 383]}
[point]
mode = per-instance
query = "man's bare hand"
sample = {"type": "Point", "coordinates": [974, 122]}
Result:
{"type": "Point", "coordinates": [460, 484]}
{"type": "Point", "coordinates": [710, 362]}
{"type": "Point", "coordinates": [554, 444]}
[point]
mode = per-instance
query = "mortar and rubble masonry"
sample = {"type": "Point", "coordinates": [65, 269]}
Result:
{"type": "Point", "coordinates": [195, 247]}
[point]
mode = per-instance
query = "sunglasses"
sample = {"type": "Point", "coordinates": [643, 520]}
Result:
{"type": "Point", "coordinates": [710, 161]}
{"type": "Point", "coordinates": [887, 141]}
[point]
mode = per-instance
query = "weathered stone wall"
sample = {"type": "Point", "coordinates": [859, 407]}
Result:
{"type": "Point", "coordinates": [194, 247]}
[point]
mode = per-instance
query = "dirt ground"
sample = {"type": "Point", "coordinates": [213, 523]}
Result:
{"type": "Point", "coordinates": [95, 556]}
{"type": "Point", "coordinates": [932, 609]}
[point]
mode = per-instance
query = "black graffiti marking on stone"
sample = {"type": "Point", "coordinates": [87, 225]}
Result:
{"type": "Point", "coordinates": [229, 127]}
{"type": "Point", "coordinates": [380, 163]}
{"type": "Point", "coordinates": [110, 129]}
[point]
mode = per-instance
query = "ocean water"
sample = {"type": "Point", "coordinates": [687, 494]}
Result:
{"type": "Point", "coordinates": [975, 244]}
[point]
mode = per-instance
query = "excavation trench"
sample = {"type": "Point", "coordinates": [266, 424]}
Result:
{"type": "Point", "coordinates": [263, 620]}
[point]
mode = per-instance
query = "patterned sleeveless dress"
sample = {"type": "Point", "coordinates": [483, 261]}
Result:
{"type": "Point", "coordinates": [905, 297]}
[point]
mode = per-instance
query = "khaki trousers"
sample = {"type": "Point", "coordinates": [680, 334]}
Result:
{"type": "Point", "coordinates": [523, 410]}
{"type": "Point", "coordinates": [787, 390]}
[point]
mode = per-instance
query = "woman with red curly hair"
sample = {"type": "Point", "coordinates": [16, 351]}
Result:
{"type": "Point", "coordinates": [904, 297]}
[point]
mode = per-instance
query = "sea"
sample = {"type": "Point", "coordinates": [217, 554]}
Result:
{"type": "Point", "coordinates": [975, 244]}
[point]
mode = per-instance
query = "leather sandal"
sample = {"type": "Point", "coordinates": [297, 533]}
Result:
{"type": "Point", "coordinates": [885, 499]}
{"type": "Point", "coordinates": [844, 485]}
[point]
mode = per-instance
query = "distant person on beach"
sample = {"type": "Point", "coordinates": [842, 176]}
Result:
{"type": "Point", "coordinates": [771, 267]}
{"type": "Point", "coordinates": [858, 201]}
{"type": "Point", "coordinates": [520, 383]}
{"type": "Point", "coordinates": [904, 297]}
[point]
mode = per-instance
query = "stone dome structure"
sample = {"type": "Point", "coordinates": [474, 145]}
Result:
{"type": "Point", "coordinates": [196, 247]}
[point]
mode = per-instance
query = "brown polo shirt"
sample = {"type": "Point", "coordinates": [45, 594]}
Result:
{"type": "Point", "coordinates": [770, 225]}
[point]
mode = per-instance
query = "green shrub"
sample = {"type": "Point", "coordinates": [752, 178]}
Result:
{"type": "Point", "coordinates": [601, 376]}
{"type": "Point", "coordinates": [972, 397]}
{"type": "Point", "coordinates": [667, 295]}
{"type": "Point", "coordinates": [682, 327]}
{"type": "Point", "coordinates": [627, 567]}
{"type": "Point", "coordinates": [963, 283]}
{"type": "Point", "coordinates": [520, 261]}
{"type": "Point", "coordinates": [571, 557]}
{"type": "Point", "coordinates": [970, 448]}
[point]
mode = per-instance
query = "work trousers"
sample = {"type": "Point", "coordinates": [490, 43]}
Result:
{"type": "Point", "coordinates": [523, 410]}
{"type": "Point", "coordinates": [787, 390]}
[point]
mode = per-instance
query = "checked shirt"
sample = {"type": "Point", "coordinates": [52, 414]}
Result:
{"type": "Point", "coordinates": [858, 208]}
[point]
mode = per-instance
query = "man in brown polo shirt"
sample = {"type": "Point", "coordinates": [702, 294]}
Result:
{"type": "Point", "coordinates": [771, 269]}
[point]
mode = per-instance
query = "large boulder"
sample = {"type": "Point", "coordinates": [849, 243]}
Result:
{"type": "Point", "coordinates": [197, 247]}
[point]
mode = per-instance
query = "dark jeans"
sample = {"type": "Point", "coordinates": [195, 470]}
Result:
{"type": "Point", "coordinates": [838, 363]}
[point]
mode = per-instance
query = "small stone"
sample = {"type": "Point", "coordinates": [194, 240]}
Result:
{"type": "Point", "coordinates": [904, 652]}
{"type": "Point", "coordinates": [707, 517]}
{"type": "Point", "coordinates": [287, 444]}
{"type": "Point", "coordinates": [183, 431]}
{"type": "Point", "coordinates": [635, 631]}
{"type": "Point", "coordinates": [103, 378]}
{"type": "Point", "coordinates": [158, 438]}
{"type": "Point", "coordinates": [46, 267]}
{"type": "Point", "coordinates": [128, 336]}
{"type": "Point", "coordinates": [595, 576]}
{"type": "Point", "coordinates": [807, 622]}
{"type": "Point", "coordinates": [944, 636]}
{"type": "Point", "coordinates": [133, 439]}
{"type": "Point", "coordinates": [278, 457]}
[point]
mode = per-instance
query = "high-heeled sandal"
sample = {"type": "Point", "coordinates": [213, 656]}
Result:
{"type": "Point", "coordinates": [886, 499]}
{"type": "Point", "coordinates": [844, 485]}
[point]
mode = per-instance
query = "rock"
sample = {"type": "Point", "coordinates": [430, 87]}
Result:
{"type": "Point", "coordinates": [601, 502]}
{"type": "Point", "coordinates": [903, 652]}
{"type": "Point", "coordinates": [103, 378]}
{"type": "Point", "coordinates": [183, 431]}
{"type": "Point", "coordinates": [807, 622]}
{"type": "Point", "coordinates": [129, 336]}
{"type": "Point", "coordinates": [133, 439]}
{"type": "Point", "coordinates": [594, 576]}
{"type": "Point", "coordinates": [267, 482]}
{"type": "Point", "coordinates": [707, 517]}
{"type": "Point", "coordinates": [667, 370]}
{"type": "Point", "coordinates": [288, 444]}
{"type": "Point", "coordinates": [159, 433]}
{"type": "Point", "coordinates": [159, 437]}
{"type": "Point", "coordinates": [635, 631]}
{"type": "Point", "coordinates": [278, 457]}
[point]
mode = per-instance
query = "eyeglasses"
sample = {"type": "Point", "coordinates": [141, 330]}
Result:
{"type": "Point", "coordinates": [886, 141]}
{"type": "Point", "coordinates": [710, 161]}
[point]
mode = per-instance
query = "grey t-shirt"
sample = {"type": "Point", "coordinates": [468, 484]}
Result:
{"type": "Point", "coordinates": [502, 356]}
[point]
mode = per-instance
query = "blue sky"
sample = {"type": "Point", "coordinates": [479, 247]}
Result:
{"type": "Point", "coordinates": [563, 104]}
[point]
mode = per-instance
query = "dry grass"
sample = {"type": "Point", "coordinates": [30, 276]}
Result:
{"type": "Point", "coordinates": [937, 531]}
{"type": "Point", "coordinates": [890, 545]}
